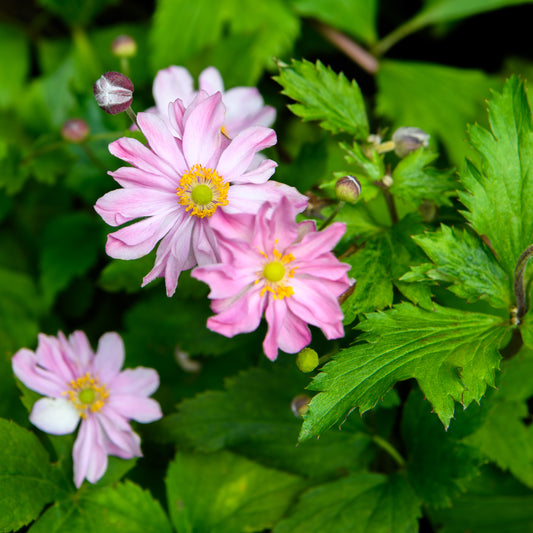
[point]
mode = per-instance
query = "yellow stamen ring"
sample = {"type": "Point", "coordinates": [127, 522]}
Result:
{"type": "Point", "coordinates": [87, 394]}
{"type": "Point", "coordinates": [202, 190]}
{"type": "Point", "coordinates": [275, 275]}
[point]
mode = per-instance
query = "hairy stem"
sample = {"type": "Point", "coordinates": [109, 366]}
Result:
{"type": "Point", "coordinates": [519, 286]}
{"type": "Point", "coordinates": [331, 217]}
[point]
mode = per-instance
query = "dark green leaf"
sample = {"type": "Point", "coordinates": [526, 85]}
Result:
{"type": "Point", "coordinates": [225, 493]}
{"type": "Point", "coordinates": [452, 354]}
{"type": "Point", "coordinates": [78, 13]}
{"type": "Point", "coordinates": [27, 480]}
{"type": "Point", "coordinates": [356, 504]}
{"type": "Point", "coordinates": [498, 191]}
{"type": "Point", "coordinates": [15, 63]}
{"type": "Point", "coordinates": [325, 96]}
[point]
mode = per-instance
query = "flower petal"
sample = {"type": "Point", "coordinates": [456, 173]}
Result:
{"type": "Point", "coordinates": [133, 177]}
{"type": "Point", "coordinates": [140, 381]}
{"type": "Point", "coordinates": [89, 454]}
{"type": "Point", "coordinates": [132, 406]}
{"type": "Point", "coordinates": [109, 357]}
{"type": "Point", "coordinates": [210, 81]}
{"type": "Point", "coordinates": [125, 441]}
{"type": "Point", "coordinates": [172, 83]}
{"type": "Point", "coordinates": [56, 416]}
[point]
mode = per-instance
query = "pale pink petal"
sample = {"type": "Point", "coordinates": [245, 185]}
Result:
{"type": "Point", "coordinates": [171, 83]}
{"type": "Point", "coordinates": [201, 135]}
{"type": "Point", "coordinates": [176, 114]}
{"type": "Point", "coordinates": [258, 173]}
{"type": "Point", "coordinates": [204, 243]}
{"type": "Point", "coordinates": [89, 455]}
{"type": "Point", "coordinates": [211, 81]}
{"type": "Point", "coordinates": [143, 410]}
{"type": "Point", "coordinates": [124, 205]}
{"type": "Point", "coordinates": [274, 315]}
{"type": "Point", "coordinates": [161, 141]}
{"type": "Point", "coordinates": [56, 416]}
{"type": "Point", "coordinates": [239, 227]}
{"type": "Point", "coordinates": [326, 267]}
{"type": "Point", "coordinates": [236, 158]}
{"type": "Point", "coordinates": [242, 316]}
{"type": "Point", "coordinates": [34, 377]}
{"type": "Point", "coordinates": [78, 349]}
{"type": "Point", "coordinates": [119, 432]}
{"type": "Point", "coordinates": [139, 381]}
{"type": "Point", "coordinates": [109, 357]}
{"type": "Point", "coordinates": [133, 177]}
{"type": "Point", "coordinates": [138, 239]}
{"type": "Point", "coordinates": [244, 108]}
{"type": "Point", "coordinates": [54, 355]}
{"type": "Point", "coordinates": [137, 154]}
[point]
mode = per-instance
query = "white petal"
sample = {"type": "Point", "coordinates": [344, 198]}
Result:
{"type": "Point", "coordinates": [56, 416]}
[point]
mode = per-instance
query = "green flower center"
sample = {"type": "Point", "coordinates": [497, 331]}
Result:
{"type": "Point", "coordinates": [86, 396]}
{"type": "Point", "coordinates": [274, 271]}
{"type": "Point", "coordinates": [202, 194]}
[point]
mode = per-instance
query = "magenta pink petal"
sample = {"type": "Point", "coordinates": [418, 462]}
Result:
{"type": "Point", "coordinates": [314, 244]}
{"type": "Point", "coordinates": [292, 333]}
{"type": "Point", "coordinates": [90, 458]}
{"type": "Point", "coordinates": [171, 83]}
{"type": "Point", "coordinates": [201, 135]}
{"type": "Point", "coordinates": [236, 158]}
{"type": "Point", "coordinates": [225, 281]}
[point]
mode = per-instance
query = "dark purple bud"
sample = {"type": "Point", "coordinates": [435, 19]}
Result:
{"type": "Point", "coordinates": [75, 130]}
{"type": "Point", "coordinates": [409, 139]}
{"type": "Point", "coordinates": [113, 92]}
{"type": "Point", "coordinates": [124, 46]}
{"type": "Point", "coordinates": [348, 189]}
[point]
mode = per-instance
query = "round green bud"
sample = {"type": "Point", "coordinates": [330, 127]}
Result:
{"type": "Point", "coordinates": [307, 360]}
{"type": "Point", "coordinates": [348, 189]}
{"type": "Point", "coordinates": [124, 46]}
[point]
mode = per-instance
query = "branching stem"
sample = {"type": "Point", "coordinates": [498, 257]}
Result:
{"type": "Point", "coordinates": [519, 287]}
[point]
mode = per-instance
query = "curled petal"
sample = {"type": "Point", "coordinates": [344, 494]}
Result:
{"type": "Point", "coordinates": [89, 454]}
{"type": "Point", "coordinates": [117, 431]}
{"type": "Point", "coordinates": [56, 416]}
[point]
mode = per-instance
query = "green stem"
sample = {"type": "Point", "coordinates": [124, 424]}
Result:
{"type": "Point", "coordinates": [132, 116]}
{"type": "Point", "coordinates": [331, 217]}
{"type": "Point", "coordinates": [397, 35]}
{"type": "Point", "coordinates": [519, 287]}
{"type": "Point", "coordinates": [390, 449]}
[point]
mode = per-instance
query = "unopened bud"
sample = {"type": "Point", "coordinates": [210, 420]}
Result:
{"type": "Point", "coordinates": [75, 130]}
{"type": "Point", "coordinates": [307, 360]}
{"type": "Point", "coordinates": [113, 92]}
{"type": "Point", "coordinates": [124, 46]}
{"type": "Point", "coordinates": [300, 405]}
{"type": "Point", "coordinates": [408, 139]}
{"type": "Point", "coordinates": [348, 189]}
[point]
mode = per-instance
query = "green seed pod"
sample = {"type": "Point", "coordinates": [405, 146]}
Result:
{"type": "Point", "coordinates": [307, 360]}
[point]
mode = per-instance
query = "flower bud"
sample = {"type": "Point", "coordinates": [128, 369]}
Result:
{"type": "Point", "coordinates": [75, 130]}
{"type": "Point", "coordinates": [348, 189]}
{"type": "Point", "coordinates": [113, 92]}
{"type": "Point", "coordinates": [300, 404]}
{"type": "Point", "coordinates": [408, 139]}
{"type": "Point", "coordinates": [124, 46]}
{"type": "Point", "coordinates": [307, 360]}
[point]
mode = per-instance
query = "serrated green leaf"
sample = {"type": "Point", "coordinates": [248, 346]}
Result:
{"type": "Point", "coordinates": [415, 182]}
{"type": "Point", "coordinates": [124, 507]}
{"type": "Point", "coordinates": [452, 354]}
{"type": "Point", "coordinates": [439, 99]}
{"type": "Point", "coordinates": [71, 245]}
{"type": "Point", "coordinates": [325, 96]}
{"type": "Point", "coordinates": [27, 480]}
{"type": "Point", "coordinates": [357, 18]}
{"type": "Point", "coordinates": [380, 264]}
{"type": "Point", "coordinates": [356, 504]}
{"type": "Point", "coordinates": [494, 503]}
{"type": "Point", "coordinates": [225, 493]}
{"type": "Point", "coordinates": [497, 192]}
{"type": "Point", "coordinates": [14, 67]}
{"type": "Point", "coordinates": [254, 417]}
{"type": "Point", "coordinates": [462, 259]}
{"type": "Point", "coordinates": [20, 308]}
{"type": "Point", "coordinates": [438, 465]}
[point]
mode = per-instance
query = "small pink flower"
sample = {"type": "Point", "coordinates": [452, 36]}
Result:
{"type": "Point", "coordinates": [79, 384]}
{"type": "Point", "coordinates": [189, 176]}
{"type": "Point", "coordinates": [244, 105]}
{"type": "Point", "coordinates": [282, 269]}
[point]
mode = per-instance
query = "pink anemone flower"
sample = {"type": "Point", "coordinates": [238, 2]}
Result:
{"type": "Point", "coordinates": [183, 181]}
{"type": "Point", "coordinates": [281, 269]}
{"type": "Point", "coordinates": [244, 105]}
{"type": "Point", "coordinates": [80, 385]}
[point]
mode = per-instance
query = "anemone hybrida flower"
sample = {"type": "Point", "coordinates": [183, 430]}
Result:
{"type": "Point", "coordinates": [81, 385]}
{"type": "Point", "coordinates": [281, 269]}
{"type": "Point", "coordinates": [185, 179]}
{"type": "Point", "coordinates": [244, 105]}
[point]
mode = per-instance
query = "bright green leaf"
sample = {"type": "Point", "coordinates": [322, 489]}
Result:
{"type": "Point", "coordinates": [452, 354]}
{"type": "Point", "coordinates": [124, 507]}
{"type": "Point", "coordinates": [498, 192]}
{"type": "Point", "coordinates": [438, 465]}
{"type": "Point", "coordinates": [357, 18]}
{"type": "Point", "coordinates": [254, 417]}
{"type": "Point", "coordinates": [439, 99]}
{"type": "Point", "coordinates": [15, 63]}
{"type": "Point", "coordinates": [325, 96]}
{"type": "Point", "coordinates": [356, 504]}
{"type": "Point", "coordinates": [27, 480]}
{"type": "Point", "coordinates": [462, 259]}
{"type": "Point", "coordinates": [71, 245]}
{"type": "Point", "coordinates": [225, 493]}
